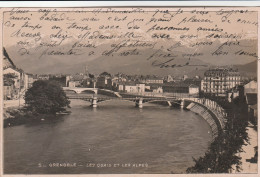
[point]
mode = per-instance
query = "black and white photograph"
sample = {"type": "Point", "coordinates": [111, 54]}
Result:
{"type": "Point", "coordinates": [129, 90]}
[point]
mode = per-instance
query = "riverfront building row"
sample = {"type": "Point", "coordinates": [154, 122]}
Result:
{"type": "Point", "coordinates": [16, 81]}
{"type": "Point", "coordinates": [219, 80]}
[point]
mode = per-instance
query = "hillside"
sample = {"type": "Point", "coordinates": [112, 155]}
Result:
{"type": "Point", "coordinates": [249, 69]}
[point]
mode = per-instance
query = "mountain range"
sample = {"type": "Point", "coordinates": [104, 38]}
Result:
{"type": "Point", "coordinates": [137, 64]}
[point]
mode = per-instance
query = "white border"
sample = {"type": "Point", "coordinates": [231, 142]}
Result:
{"type": "Point", "coordinates": [126, 3]}
{"type": "Point", "coordinates": [61, 4]}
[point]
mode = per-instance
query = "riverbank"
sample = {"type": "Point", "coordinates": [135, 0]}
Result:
{"type": "Point", "coordinates": [14, 116]}
{"type": "Point", "coordinates": [13, 113]}
{"type": "Point", "coordinates": [206, 115]}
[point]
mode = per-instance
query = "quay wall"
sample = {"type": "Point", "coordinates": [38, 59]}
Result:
{"type": "Point", "coordinates": [212, 113]}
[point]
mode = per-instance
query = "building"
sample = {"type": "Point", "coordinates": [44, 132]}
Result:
{"type": "Point", "coordinates": [131, 87]}
{"type": "Point", "coordinates": [217, 81]}
{"type": "Point", "coordinates": [251, 100]}
{"type": "Point", "coordinates": [250, 92]}
{"type": "Point", "coordinates": [8, 92]}
{"type": "Point", "coordinates": [184, 77]}
{"type": "Point", "coordinates": [250, 87]}
{"type": "Point", "coordinates": [7, 62]}
{"type": "Point", "coordinates": [20, 81]}
{"type": "Point", "coordinates": [61, 79]}
{"type": "Point", "coordinates": [193, 89]}
{"type": "Point", "coordinates": [16, 81]}
{"type": "Point", "coordinates": [104, 81]}
{"type": "Point", "coordinates": [252, 113]}
{"type": "Point", "coordinates": [169, 78]}
{"type": "Point", "coordinates": [151, 80]}
{"type": "Point", "coordinates": [74, 80]}
{"type": "Point", "coordinates": [181, 89]}
{"type": "Point", "coordinates": [233, 93]}
{"type": "Point", "coordinates": [193, 81]}
{"type": "Point", "coordinates": [155, 88]}
{"type": "Point", "coordinates": [43, 77]}
{"type": "Point", "coordinates": [89, 82]}
{"type": "Point", "coordinates": [17, 76]}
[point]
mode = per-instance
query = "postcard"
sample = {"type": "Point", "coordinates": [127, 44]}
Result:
{"type": "Point", "coordinates": [129, 90]}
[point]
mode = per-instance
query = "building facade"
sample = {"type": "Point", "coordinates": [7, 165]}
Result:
{"type": "Point", "coordinates": [181, 89]}
{"type": "Point", "coordinates": [9, 92]}
{"type": "Point", "coordinates": [131, 87]}
{"type": "Point", "coordinates": [16, 81]}
{"type": "Point", "coordinates": [104, 81]}
{"type": "Point", "coordinates": [219, 80]}
{"type": "Point", "coordinates": [152, 80]}
{"type": "Point", "coordinates": [250, 87]}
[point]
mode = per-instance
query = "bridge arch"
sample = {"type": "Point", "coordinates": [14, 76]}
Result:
{"type": "Point", "coordinates": [70, 91]}
{"type": "Point", "coordinates": [80, 89]}
{"type": "Point", "coordinates": [88, 91]}
{"type": "Point", "coordinates": [109, 93]}
{"type": "Point", "coordinates": [152, 101]}
{"type": "Point", "coordinates": [118, 100]}
{"type": "Point", "coordinates": [167, 101]}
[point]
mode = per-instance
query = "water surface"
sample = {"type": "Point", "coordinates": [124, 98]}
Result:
{"type": "Point", "coordinates": [155, 139]}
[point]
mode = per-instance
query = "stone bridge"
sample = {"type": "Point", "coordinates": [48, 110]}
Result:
{"type": "Point", "coordinates": [93, 90]}
{"type": "Point", "coordinates": [214, 114]}
{"type": "Point", "coordinates": [136, 99]}
{"type": "Point", "coordinates": [80, 89]}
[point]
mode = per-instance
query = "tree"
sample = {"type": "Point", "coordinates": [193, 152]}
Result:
{"type": "Point", "coordinates": [222, 155]}
{"type": "Point", "coordinates": [46, 97]}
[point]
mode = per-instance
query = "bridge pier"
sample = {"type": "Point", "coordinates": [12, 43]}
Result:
{"type": "Point", "coordinates": [139, 103]}
{"type": "Point", "coordinates": [94, 102]}
{"type": "Point", "coordinates": [182, 103]}
{"type": "Point", "coordinates": [78, 91]}
{"type": "Point", "coordinates": [169, 103]}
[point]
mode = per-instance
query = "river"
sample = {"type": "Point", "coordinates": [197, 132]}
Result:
{"type": "Point", "coordinates": [116, 137]}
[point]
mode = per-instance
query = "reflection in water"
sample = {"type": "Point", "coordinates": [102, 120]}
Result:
{"type": "Point", "coordinates": [114, 133]}
{"type": "Point", "coordinates": [94, 109]}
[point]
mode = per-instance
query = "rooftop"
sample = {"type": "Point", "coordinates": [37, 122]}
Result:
{"type": "Point", "coordinates": [132, 83]}
{"type": "Point", "coordinates": [222, 72]}
{"type": "Point", "coordinates": [181, 84]}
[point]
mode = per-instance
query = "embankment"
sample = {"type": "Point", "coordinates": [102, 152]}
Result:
{"type": "Point", "coordinates": [208, 116]}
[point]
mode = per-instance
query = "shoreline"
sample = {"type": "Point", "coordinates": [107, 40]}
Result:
{"type": "Point", "coordinates": [17, 116]}
{"type": "Point", "coordinates": [207, 115]}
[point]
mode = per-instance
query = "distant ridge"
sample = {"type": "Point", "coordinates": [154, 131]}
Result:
{"type": "Point", "coordinates": [249, 69]}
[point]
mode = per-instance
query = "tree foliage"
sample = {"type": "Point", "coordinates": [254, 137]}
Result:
{"type": "Point", "coordinates": [222, 154]}
{"type": "Point", "coordinates": [46, 97]}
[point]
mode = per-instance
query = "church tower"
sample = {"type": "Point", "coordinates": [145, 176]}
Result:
{"type": "Point", "coordinates": [86, 71]}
